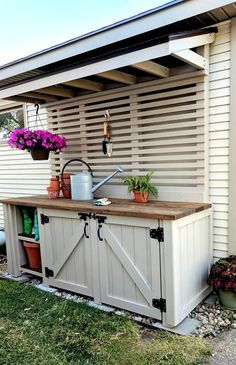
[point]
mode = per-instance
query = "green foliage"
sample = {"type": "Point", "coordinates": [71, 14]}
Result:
{"type": "Point", "coordinates": [38, 328]}
{"type": "Point", "coordinates": [10, 121]}
{"type": "Point", "coordinates": [142, 184]}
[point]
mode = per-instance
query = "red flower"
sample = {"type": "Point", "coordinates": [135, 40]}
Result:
{"type": "Point", "coordinates": [223, 274]}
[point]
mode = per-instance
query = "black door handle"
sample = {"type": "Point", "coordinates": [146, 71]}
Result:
{"type": "Point", "coordinates": [85, 229]}
{"type": "Point", "coordinates": [99, 237]}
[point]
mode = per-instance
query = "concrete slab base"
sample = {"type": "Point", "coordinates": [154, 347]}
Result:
{"type": "Point", "coordinates": [23, 278]}
{"type": "Point", "coordinates": [46, 288]}
{"type": "Point", "coordinates": [185, 328]}
{"type": "Point", "coordinates": [102, 307]}
{"type": "Point", "coordinates": [211, 299]}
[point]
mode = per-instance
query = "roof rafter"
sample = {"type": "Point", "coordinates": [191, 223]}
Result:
{"type": "Point", "coordinates": [57, 91]}
{"type": "Point", "coordinates": [37, 95]}
{"type": "Point", "coordinates": [118, 76]}
{"type": "Point", "coordinates": [152, 68]}
{"type": "Point", "coordinates": [85, 84]}
{"type": "Point", "coordinates": [24, 99]}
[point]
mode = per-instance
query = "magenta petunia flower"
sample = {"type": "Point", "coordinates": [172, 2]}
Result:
{"type": "Point", "coordinates": [25, 139]}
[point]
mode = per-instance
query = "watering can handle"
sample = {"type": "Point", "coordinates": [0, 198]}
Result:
{"type": "Point", "coordinates": [75, 159]}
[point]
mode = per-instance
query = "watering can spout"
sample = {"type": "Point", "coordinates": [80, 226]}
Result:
{"type": "Point", "coordinates": [101, 183]}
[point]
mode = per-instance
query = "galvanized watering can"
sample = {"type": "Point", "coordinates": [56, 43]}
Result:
{"type": "Point", "coordinates": [82, 183]}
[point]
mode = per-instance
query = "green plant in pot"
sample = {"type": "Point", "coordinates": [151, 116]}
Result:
{"type": "Point", "coordinates": [141, 186]}
{"type": "Point", "coordinates": [223, 278]}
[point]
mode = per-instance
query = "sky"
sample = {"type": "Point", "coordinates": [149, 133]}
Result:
{"type": "Point", "coordinates": [28, 26]}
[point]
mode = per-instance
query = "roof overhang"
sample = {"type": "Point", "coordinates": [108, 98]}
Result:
{"type": "Point", "coordinates": [170, 13]}
{"type": "Point", "coordinates": [121, 53]}
{"type": "Point", "coordinates": [182, 46]}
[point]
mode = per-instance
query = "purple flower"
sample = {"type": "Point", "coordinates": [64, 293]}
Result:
{"type": "Point", "coordinates": [25, 139]}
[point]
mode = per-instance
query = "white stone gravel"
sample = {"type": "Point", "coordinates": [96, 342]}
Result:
{"type": "Point", "coordinates": [213, 319]}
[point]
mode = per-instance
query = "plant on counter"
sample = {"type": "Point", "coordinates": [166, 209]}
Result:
{"type": "Point", "coordinates": [223, 278]}
{"type": "Point", "coordinates": [25, 139]}
{"type": "Point", "coordinates": [141, 186]}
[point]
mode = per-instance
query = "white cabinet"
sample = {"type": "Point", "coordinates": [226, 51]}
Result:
{"type": "Point", "coordinates": [152, 267]}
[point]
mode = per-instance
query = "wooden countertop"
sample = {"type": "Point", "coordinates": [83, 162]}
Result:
{"type": "Point", "coordinates": [122, 207]}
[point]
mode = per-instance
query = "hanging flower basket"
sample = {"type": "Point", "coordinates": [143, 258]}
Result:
{"type": "Point", "coordinates": [39, 142]}
{"type": "Point", "coordinates": [39, 154]}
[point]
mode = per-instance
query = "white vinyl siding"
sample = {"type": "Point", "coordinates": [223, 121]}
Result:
{"type": "Point", "coordinates": [219, 100]}
{"type": "Point", "coordinates": [19, 174]}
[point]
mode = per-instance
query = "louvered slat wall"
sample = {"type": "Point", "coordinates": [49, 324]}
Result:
{"type": "Point", "coordinates": [219, 93]}
{"type": "Point", "coordinates": [157, 125]}
{"type": "Point", "coordinates": [19, 174]}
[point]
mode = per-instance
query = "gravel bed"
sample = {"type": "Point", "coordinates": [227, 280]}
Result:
{"type": "Point", "coordinates": [3, 265]}
{"type": "Point", "coordinates": [213, 319]}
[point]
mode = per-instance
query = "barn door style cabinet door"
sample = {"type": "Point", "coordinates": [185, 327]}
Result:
{"type": "Point", "coordinates": [67, 250]}
{"type": "Point", "coordinates": [111, 259]}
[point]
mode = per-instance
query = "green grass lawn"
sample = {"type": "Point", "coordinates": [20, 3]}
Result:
{"type": "Point", "coordinates": [38, 328]}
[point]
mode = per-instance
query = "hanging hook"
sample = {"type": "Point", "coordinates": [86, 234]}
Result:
{"type": "Point", "coordinates": [37, 109]}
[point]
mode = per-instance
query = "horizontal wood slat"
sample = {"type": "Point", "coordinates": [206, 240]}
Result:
{"type": "Point", "coordinates": [157, 126]}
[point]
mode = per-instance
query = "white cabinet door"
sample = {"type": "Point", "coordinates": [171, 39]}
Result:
{"type": "Point", "coordinates": [129, 264]}
{"type": "Point", "coordinates": [67, 251]}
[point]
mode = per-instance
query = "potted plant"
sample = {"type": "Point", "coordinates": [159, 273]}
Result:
{"type": "Point", "coordinates": [141, 186]}
{"type": "Point", "coordinates": [223, 278]}
{"type": "Point", "coordinates": [39, 142]}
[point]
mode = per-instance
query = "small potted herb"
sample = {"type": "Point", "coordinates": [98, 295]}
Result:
{"type": "Point", "coordinates": [223, 278]}
{"type": "Point", "coordinates": [141, 186]}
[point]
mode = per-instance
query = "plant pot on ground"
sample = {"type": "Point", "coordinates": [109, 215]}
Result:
{"type": "Point", "coordinates": [141, 186]}
{"type": "Point", "coordinates": [223, 278]}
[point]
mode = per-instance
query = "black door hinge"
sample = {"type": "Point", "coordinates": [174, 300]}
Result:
{"type": "Point", "coordinates": [48, 272]}
{"type": "Point", "coordinates": [157, 234]}
{"type": "Point", "coordinates": [159, 304]}
{"type": "Point", "coordinates": [44, 219]}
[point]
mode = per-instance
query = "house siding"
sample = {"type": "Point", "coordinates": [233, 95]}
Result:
{"type": "Point", "coordinates": [20, 175]}
{"type": "Point", "coordinates": [219, 122]}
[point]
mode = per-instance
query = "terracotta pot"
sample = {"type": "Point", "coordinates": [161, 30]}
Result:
{"type": "Point", "coordinates": [228, 299]}
{"type": "Point", "coordinates": [39, 154]}
{"type": "Point", "coordinates": [55, 183]}
{"type": "Point", "coordinates": [33, 253]}
{"type": "Point", "coordinates": [53, 193]}
{"type": "Point", "coordinates": [66, 185]}
{"type": "Point", "coordinates": [138, 198]}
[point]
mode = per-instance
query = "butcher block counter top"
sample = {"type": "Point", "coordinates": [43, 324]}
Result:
{"type": "Point", "coordinates": [122, 207]}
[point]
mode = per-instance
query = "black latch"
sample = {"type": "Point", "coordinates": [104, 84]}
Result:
{"type": "Point", "coordinates": [159, 304]}
{"type": "Point", "coordinates": [157, 234]}
{"type": "Point", "coordinates": [48, 272]}
{"type": "Point", "coordinates": [44, 219]}
{"type": "Point", "coordinates": [84, 216]}
{"type": "Point", "coordinates": [100, 218]}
